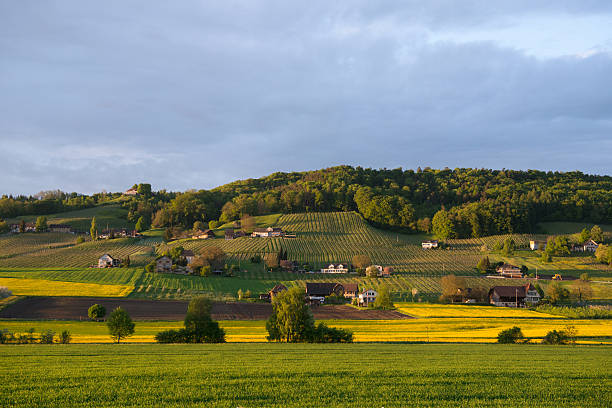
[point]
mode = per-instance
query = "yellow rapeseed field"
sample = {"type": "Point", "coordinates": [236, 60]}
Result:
{"type": "Point", "coordinates": [42, 287]}
{"type": "Point", "coordinates": [436, 310]}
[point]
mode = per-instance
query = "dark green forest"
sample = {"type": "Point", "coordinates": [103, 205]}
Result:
{"type": "Point", "coordinates": [451, 203]}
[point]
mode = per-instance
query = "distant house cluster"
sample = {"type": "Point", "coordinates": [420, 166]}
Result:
{"type": "Point", "coordinates": [233, 234]}
{"type": "Point", "coordinates": [131, 192]}
{"type": "Point", "coordinates": [335, 268]}
{"type": "Point", "coordinates": [119, 233]}
{"type": "Point", "coordinates": [316, 292]}
{"type": "Point", "coordinates": [206, 234]}
{"type": "Point", "coordinates": [164, 264]}
{"type": "Point", "coordinates": [31, 227]}
{"type": "Point", "coordinates": [267, 232]}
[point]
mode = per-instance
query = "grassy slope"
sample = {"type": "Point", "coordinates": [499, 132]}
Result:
{"type": "Point", "coordinates": [112, 216]}
{"type": "Point", "coordinates": [288, 375]}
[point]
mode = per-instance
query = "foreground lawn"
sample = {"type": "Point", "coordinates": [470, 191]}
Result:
{"type": "Point", "coordinates": [453, 330]}
{"type": "Point", "coordinates": [290, 375]}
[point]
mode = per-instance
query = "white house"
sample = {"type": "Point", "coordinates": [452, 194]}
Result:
{"type": "Point", "coordinates": [590, 246]}
{"type": "Point", "coordinates": [131, 192]}
{"type": "Point", "coordinates": [267, 232]}
{"type": "Point", "coordinates": [367, 296]}
{"type": "Point", "coordinates": [534, 245]}
{"type": "Point", "coordinates": [429, 244]}
{"type": "Point", "coordinates": [335, 268]}
{"type": "Point", "coordinates": [107, 261]}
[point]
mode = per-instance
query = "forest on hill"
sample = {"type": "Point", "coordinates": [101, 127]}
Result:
{"type": "Point", "coordinates": [455, 203]}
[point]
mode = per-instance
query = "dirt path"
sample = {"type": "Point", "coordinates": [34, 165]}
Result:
{"type": "Point", "coordinates": [75, 308]}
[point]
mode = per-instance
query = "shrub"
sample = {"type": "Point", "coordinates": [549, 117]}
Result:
{"type": "Point", "coordinates": [46, 337]}
{"type": "Point", "coordinates": [335, 299]}
{"type": "Point", "coordinates": [96, 312]}
{"type": "Point", "coordinates": [80, 240]}
{"type": "Point", "coordinates": [150, 268]}
{"type": "Point", "coordinates": [172, 336]}
{"type": "Point", "coordinates": [6, 336]}
{"type": "Point", "coordinates": [576, 312]}
{"type": "Point", "coordinates": [256, 259]}
{"type": "Point", "coordinates": [510, 336]}
{"type": "Point", "coordinates": [325, 334]}
{"type": "Point", "coordinates": [64, 337]}
{"type": "Point", "coordinates": [565, 336]}
{"type": "Point", "coordinates": [199, 326]}
{"type": "Point", "coordinates": [5, 292]}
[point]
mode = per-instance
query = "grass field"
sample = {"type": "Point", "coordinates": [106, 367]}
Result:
{"type": "Point", "coordinates": [43, 287]}
{"type": "Point", "coordinates": [289, 375]}
{"type": "Point", "coordinates": [481, 329]}
{"type": "Point", "coordinates": [112, 216]}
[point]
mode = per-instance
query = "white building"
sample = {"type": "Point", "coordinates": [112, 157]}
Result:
{"type": "Point", "coordinates": [335, 268]}
{"type": "Point", "coordinates": [429, 244]}
{"type": "Point", "coordinates": [367, 296]}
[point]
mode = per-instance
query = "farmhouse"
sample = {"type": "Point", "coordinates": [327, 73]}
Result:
{"type": "Point", "coordinates": [317, 291]}
{"type": "Point", "coordinates": [509, 271]}
{"type": "Point", "coordinates": [163, 264]}
{"type": "Point", "coordinates": [429, 244]}
{"type": "Point", "coordinates": [367, 296]}
{"type": "Point", "coordinates": [231, 233]}
{"type": "Point", "coordinates": [289, 266]}
{"type": "Point", "coordinates": [387, 271]}
{"type": "Point", "coordinates": [351, 290]}
{"type": "Point", "coordinates": [267, 232]}
{"type": "Point", "coordinates": [513, 296]}
{"type": "Point", "coordinates": [335, 268]}
{"type": "Point", "coordinates": [537, 245]}
{"type": "Point", "coordinates": [206, 234]}
{"type": "Point", "coordinates": [131, 192]}
{"type": "Point", "coordinates": [107, 261]}
{"type": "Point", "coordinates": [276, 290]}
{"type": "Point", "coordinates": [188, 255]}
{"type": "Point", "coordinates": [29, 227]}
{"type": "Point", "coordinates": [60, 228]}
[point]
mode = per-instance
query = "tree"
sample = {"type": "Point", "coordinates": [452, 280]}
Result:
{"type": "Point", "coordinates": [126, 261]}
{"type": "Point", "coordinates": [596, 234]}
{"type": "Point", "coordinates": [212, 224]}
{"type": "Point", "coordinates": [213, 256]}
{"type": "Point", "coordinates": [168, 234]}
{"type": "Point", "coordinates": [199, 323]}
{"type": "Point", "coordinates": [361, 261]}
{"type": "Point", "coordinates": [291, 320]}
{"type": "Point", "coordinates": [484, 264]}
{"type": "Point", "coordinates": [41, 224]}
{"type": "Point", "coordinates": [557, 293]}
{"type": "Point", "coordinates": [198, 226]}
{"type": "Point", "coordinates": [4, 227]}
{"type": "Point", "coordinates": [64, 337]}
{"type": "Point", "coordinates": [120, 324]}
{"type": "Point", "coordinates": [510, 336]}
{"type": "Point", "coordinates": [383, 299]}
{"type": "Point", "coordinates": [546, 257]}
{"type": "Point", "coordinates": [585, 235]}
{"type": "Point", "coordinates": [442, 225]}
{"type": "Point", "coordinates": [22, 226]}
{"type": "Point", "coordinates": [144, 189]}
{"type": "Point", "coordinates": [142, 224]}
{"type": "Point", "coordinates": [93, 230]}
{"type": "Point", "coordinates": [603, 254]}
{"type": "Point", "coordinates": [46, 337]}
{"type": "Point", "coordinates": [581, 290]}
{"type": "Point", "coordinates": [452, 286]}
{"type": "Point", "coordinates": [247, 223]}
{"type": "Point", "coordinates": [96, 312]}
{"type": "Point", "coordinates": [240, 294]}
{"type": "Point", "coordinates": [272, 260]}
{"type": "Point", "coordinates": [371, 271]}
{"type": "Point", "coordinates": [585, 277]}
{"type": "Point", "coordinates": [509, 247]}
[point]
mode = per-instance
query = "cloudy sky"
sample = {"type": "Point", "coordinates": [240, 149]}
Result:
{"type": "Point", "coordinates": [194, 94]}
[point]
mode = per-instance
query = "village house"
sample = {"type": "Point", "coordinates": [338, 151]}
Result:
{"type": "Point", "coordinates": [513, 296]}
{"type": "Point", "coordinates": [206, 234]}
{"type": "Point", "coordinates": [429, 244]}
{"type": "Point", "coordinates": [289, 266]}
{"type": "Point", "coordinates": [119, 233]}
{"type": "Point", "coordinates": [131, 192]}
{"type": "Point", "coordinates": [387, 271]}
{"type": "Point", "coordinates": [231, 234]}
{"type": "Point", "coordinates": [367, 296]}
{"type": "Point", "coordinates": [588, 246]}
{"type": "Point", "coordinates": [163, 264]}
{"type": "Point", "coordinates": [535, 245]}
{"type": "Point", "coordinates": [107, 261]}
{"type": "Point", "coordinates": [317, 291]}
{"type": "Point", "coordinates": [29, 227]}
{"type": "Point", "coordinates": [335, 268]}
{"type": "Point", "coordinates": [60, 228]}
{"type": "Point", "coordinates": [351, 290]}
{"type": "Point", "coordinates": [188, 255]}
{"type": "Point", "coordinates": [267, 232]}
{"type": "Point", "coordinates": [509, 271]}
{"type": "Point", "coordinates": [269, 296]}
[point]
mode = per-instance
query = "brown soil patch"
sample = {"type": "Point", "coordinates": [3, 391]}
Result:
{"type": "Point", "coordinates": [75, 308]}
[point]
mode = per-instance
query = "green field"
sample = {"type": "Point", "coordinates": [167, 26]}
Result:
{"type": "Point", "coordinates": [290, 375]}
{"type": "Point", "coordinates": [111, 216]}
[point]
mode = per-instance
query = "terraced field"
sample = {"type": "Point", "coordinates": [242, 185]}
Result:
{"type": "Point", "coordinates": [111, 216]}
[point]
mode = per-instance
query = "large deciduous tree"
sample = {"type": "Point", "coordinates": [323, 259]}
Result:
{"type": "Point", "coordinates": [120, 324]}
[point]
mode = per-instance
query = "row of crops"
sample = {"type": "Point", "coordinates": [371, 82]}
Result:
{"type": "Point", "coordinates": [321, 238]}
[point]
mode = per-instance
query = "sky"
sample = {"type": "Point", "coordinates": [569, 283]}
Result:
{"type": "Point", "coordinates": [98, 96]}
